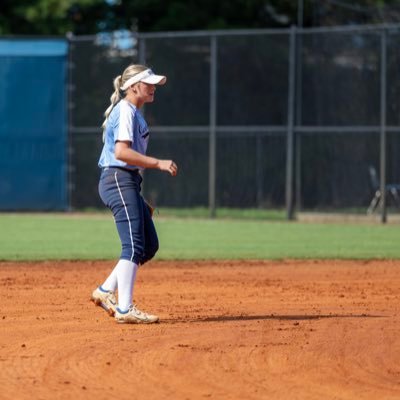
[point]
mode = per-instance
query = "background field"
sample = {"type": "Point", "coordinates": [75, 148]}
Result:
{"type": "Point", "coordinates": [93, 236]}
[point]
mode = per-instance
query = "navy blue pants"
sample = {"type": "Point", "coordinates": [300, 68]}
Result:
{"type": "Point", "coordinates": [119, 190]}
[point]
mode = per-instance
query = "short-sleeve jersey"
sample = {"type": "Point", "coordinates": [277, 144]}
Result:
{"type": "Point", "coordinates": [125, 123]}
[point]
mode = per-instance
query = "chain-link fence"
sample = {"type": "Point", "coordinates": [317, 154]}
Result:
{"type": "Point", "coordinates": [271, 118]}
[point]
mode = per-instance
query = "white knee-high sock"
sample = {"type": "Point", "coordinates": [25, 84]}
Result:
{"type": "Point", "coordinates": [126, 276]}
{"type": "Point", "coordinates": [111, 282]}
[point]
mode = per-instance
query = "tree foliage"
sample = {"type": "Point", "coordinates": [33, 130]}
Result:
{"type": "Point", "coordinates": [57, 17]}
{"type": "Point", "coordinates": [51, 17]}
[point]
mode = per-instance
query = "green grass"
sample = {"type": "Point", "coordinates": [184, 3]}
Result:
{"type": "Point", "coordinates": [93, 236]}
{"type": "Point", "coordinates": [221, 213]}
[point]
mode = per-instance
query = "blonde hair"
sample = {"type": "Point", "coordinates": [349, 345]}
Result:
{"type": "Point", "coordinates": [119, 94]}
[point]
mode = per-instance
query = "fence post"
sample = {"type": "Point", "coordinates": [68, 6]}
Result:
{"type": "Point", "coordinates": [213, 122]}
{"type": "Point", "coordinates": [142, 50]}
{"type": "Point", "coordinates": [70, 107]}
{"type": "Point", "coordinates": [383, 125]}
{"type": "Point", "coordinates": [290, 126]}
{"type": "Point", "coordinates": [299, 103]}
{"type": "Point", "coordinates": [259, 171]}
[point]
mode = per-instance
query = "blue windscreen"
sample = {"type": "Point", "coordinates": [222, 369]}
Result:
{"type": "Point", "coordinates": [33, 125]}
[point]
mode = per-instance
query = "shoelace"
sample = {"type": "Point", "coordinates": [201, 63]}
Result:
{"type": "Point", "coordinates": [137, 311]}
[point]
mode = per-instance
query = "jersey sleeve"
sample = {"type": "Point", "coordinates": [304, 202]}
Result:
{"type": "Point", "coordinates": [124, 129]}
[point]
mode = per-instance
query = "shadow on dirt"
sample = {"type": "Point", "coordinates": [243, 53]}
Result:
{"type": "Point", "coordinates": [227, 318]}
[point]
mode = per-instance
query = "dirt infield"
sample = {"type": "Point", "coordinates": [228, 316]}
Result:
{"type": "Point", "coordinates": [229, 330]}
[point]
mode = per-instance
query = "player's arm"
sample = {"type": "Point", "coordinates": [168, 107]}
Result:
{"type": "Point", "coordinates": [125, 153]}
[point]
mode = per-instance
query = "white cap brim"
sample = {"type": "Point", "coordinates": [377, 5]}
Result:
{"type": "Point", "coordinates": [146, 76]}
{"type": "Point", "coordinates": [155, 79]}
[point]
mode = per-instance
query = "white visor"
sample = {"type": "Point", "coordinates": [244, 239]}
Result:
{"type": "Point", "coordinates": [147, 76]}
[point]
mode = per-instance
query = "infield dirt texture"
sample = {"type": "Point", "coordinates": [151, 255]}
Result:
{"type": "Point", "coordinates": [229, 330]}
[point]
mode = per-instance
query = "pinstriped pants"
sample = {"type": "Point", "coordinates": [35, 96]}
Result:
{"type": "Point", "coordinates": [119, 190]}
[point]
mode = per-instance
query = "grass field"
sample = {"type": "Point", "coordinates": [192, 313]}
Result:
{"type": "Point", "coordinates": [261, 325]}
{"type": "Point", "coordinates": [50, 236]}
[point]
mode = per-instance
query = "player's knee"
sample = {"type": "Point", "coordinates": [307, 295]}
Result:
{"type": "Point", "coordinates": [128, 254]}
{"type": "Point", "coordinates": [150, 252]}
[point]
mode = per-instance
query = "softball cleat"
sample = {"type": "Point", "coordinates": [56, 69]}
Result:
{"type": "Point", "coordinates": [134, 316]}
{"type": "Point", "coordinates": [105, 299]}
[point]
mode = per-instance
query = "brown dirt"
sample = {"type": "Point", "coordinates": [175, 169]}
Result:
{"type": "Point", "coordinates": [229, 330]}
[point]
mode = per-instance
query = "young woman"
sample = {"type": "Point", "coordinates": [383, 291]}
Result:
{"type": "Point", "coordinates": [123, 158]}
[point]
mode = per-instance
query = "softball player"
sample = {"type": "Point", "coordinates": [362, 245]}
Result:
{"type": "Point", "coordinates": [123, 158]}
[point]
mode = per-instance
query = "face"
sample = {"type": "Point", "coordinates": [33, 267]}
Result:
{"type": "Point", "coordinates": [143, 93]}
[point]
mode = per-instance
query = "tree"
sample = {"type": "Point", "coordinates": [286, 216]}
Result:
{"type": "Point", "coordinates": [51, 17]}
{"type": "Point", "coordinates": [342, 12]}
{"type": "Point", "coordinates": [57, 17]}
{"type": "Point", "coordinates": [176, 15]}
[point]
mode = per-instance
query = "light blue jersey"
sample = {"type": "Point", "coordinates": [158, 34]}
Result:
{"type": "Point", "coordinates": [125, 123]}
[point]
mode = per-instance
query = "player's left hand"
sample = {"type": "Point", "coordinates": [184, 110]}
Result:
{"type": "Point", "coordinates": [168, 166]}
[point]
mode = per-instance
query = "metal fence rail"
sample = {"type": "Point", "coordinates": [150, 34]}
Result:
{"type": "Point", "coordinates": [255, 118]}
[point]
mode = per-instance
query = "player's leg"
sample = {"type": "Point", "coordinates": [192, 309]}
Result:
{"type": "Point", "coordinates": [119, 191]}
{"type": "Point", "coordinates": [104, 295]}
{"type": "Point", "coordinates": [151, 244]}
{"type": "Point", "coordinates": [128, 215]}
{"type": "Point", "coordinates": [127, 208]}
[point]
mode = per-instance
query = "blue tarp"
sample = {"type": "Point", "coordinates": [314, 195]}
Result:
{"type": "Point", "coordinates": [33, 124]}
